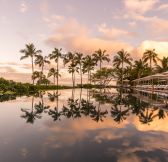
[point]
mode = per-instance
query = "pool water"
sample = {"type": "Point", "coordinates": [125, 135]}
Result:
{"type": "Point", "coordinates": [106, 125]}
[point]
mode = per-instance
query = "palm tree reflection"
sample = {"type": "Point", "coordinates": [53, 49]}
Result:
{"type": "Point", "coordinates": [147, 116]}
{"type": "Point", "coordinates": [122, 105]}
{"type": "Point", "coordinates": [36, 109]}
{"type": "Point", "coordinates": [118, 114]}
{"type": "Point", "coordinates": [55, 114]}
{"type": "Point", "coordinates": [30, 115]}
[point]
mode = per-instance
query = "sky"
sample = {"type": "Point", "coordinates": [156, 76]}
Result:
{"type": "Point", "coordinates": [79, 25]}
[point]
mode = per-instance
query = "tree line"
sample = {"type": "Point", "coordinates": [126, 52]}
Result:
{"type": "Point", "coordinates": [122, 67]}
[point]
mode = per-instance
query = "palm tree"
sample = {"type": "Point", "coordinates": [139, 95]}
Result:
{"type": "Point", "coordinates": [41, 61]}
{"type": "Point", "coordinates": [150, 55]}
{"type": "Point", "coordinates": [100, 56]}
{"type": "Point", "coordinates": [37, 75]}
{"type": "Point", "coordinates": [119, 60]}
{"type": "Point", "coordinates": [72, 68]}
{"type": "Point", "coordinates": [88, 65]}
{"type": "Point", "coordinates": [164, 65]}
{"type": "Point", "coordinates": [30, 51]}
{"type": "Point", "coordinates": [140, 66]}
{"type": "Point", "coordinates": [79, 57]}
{"type": "Point", "coordinates": [55, 55]}
{"type": "Point", "coordinates": [53, 72]}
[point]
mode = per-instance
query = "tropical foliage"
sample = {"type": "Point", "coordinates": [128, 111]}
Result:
{"type": "Point", "coordinates": [90, 66]}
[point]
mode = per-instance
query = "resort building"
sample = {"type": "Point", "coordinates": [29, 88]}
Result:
{"type": "Point", "coordinates": [155, 82]}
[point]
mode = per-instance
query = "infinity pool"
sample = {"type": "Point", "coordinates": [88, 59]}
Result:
{"type": "Point", "coordinates": [84, 126]}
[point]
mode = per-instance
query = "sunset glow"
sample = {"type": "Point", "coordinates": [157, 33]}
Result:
{"type": "Point", "coordinates": [75, 25]}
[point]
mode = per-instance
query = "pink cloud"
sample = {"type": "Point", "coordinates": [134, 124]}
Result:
{"type": "Point", "coordinates": [74, 36]}
{"type": "Point", "coordinates": [139, 6]}
{"type": "Point", "coordinates": [160, 47]}
{"type": "Point", "coordinates": [23, 7]}
{"type": "Point", "coordinates": [163, 7]}
{"type": "Point", "coordinates": [113, 33]}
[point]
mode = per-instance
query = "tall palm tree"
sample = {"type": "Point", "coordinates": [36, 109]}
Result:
{"type": "Point", "coordinates": [88, 65]}
{"type": "Point", "coordinates": [140, 66]}
{"type": "Point", "coordinates": [70, 59]}
{"type": "Point", "coordinates": [55, 55]}
{"type": "Point", "coordinates": [37, 75]}
{"type": "Point", "coordinates": [53, 72]}
{"type": "Point", "coordinates": [119, 60]}
{"type": "Point", "coordinates": [79, 58]}
{"type": "Point", "coordinates": [41, 61]}
{"type": "Point", "coordinates": [164, 65]}
{"type": "Point", "coordinates": [100, 56]}
{"type": "Point", "coordinates": [72, 68]}
{"type": "Point", "coordinates": [150, 55]}
{"type": "Point", "coordinates": [30, 51]}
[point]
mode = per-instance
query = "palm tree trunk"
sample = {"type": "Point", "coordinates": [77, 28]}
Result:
{"type": "Point", "coordinates": [54, 80]}
{"type": "Point", "coordinates": [151, 65]}
{"type": "Point", "coordinates": [32, 69]}
{"type": "Point", "coordinates": [57, 72]}
{"type": "Point", "coordinates": [57, 99]}
{"type": "Point", "coordinates": [81, 74]}
{"type": "Point", "coordinates": [74, 79]}
{"type": "Point", "coordinates": [32, 103]}
{"type": "Point", "coordinates": [42, 69]}
{"type": "Point", "coordinates": [100, 64]}
{"type": "Point", "coordinates": [122, 74]}
{"type": "Point", "coordinates": [88, 77]}
{"type": "Point", "coordinates": [100, 70]}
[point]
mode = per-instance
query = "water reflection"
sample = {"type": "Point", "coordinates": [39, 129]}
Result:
{"type": "Point", "coordinates": [7, 97]}
{"type": "Point", "coordinates": [85, 125]}
{"type": "Point", "coordinates": [118, 105]}
{"type": "Point", "coordinates": [36, 110]}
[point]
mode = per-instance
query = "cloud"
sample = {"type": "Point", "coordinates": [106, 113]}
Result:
{"type": "Point", "coordinates": [15, 71]}
{"type": "Point", "coordinates": [113, 33]}
{"type": "Point", "coordinates": [159, 25]}
{"type": "Point", "coordinates": [154, 24]}
{"type": "Point", "coordinates": [4, 20]}
{"type": "Point", "coordinates": [163, 7]}
{"type": "Point", "coordinates": [53, 21]}
{"type": "Point", "coordinates": [44, 7]}
{"type": "Point", "coordinates": [23, 7]}
{"type": "Point", "coordinates": [24, 152]}
{"type": "Point", "coordinates": [132, 24]}
{"type": "Point", "coordinates": [16, 76]}
{"type": "Point", "coordinates": [160, 47]}
{"type": "Point", "coordinates": [7, 69]}
{"type": "Point", "coordinates": [74, 36]}
{"type": "Point", "coordinates": [135, 11]}
{"type": "Point", "coordinates": [70, 8]}
{"type": "Point", "coordinates": [139, 6]}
